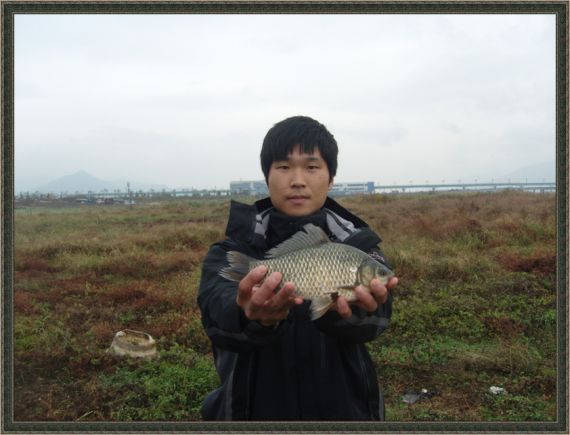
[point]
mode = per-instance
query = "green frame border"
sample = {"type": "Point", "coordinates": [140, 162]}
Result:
{"type": "Point", "coordinates": [10, 8]}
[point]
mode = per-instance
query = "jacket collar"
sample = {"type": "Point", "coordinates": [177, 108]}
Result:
{"type": "Point", "coordinates": [262, 226]}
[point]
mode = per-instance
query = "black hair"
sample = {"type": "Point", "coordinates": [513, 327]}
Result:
{"type": "Point", "coordinates": [298, 130]}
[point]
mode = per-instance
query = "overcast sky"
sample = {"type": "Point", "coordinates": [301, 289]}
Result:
{"type": "Point", "coordinates": [185, 100]}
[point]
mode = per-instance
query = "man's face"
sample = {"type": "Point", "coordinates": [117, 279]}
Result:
{"type": "Point", "coordinates": [299, 185]}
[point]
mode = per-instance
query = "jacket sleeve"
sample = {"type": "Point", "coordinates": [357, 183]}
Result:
{"type": "Point", "coordinates": [224, 321]}
{"type": "Point", "coordinates": [362, 326]}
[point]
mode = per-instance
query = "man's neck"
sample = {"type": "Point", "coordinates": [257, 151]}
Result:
{"type": "Point", "coordinates": [282, 226]}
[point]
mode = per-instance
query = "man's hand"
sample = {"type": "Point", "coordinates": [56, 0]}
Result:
{"type": "Point", "coordinates": [368, 301]}
{"type": "Point", "coordinates": [260, 302]}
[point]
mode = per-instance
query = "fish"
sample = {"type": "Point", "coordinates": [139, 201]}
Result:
{"type": "Point", "coordinates": [322, 270]}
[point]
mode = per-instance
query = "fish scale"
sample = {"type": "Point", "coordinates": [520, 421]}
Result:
{"type": "Point", "coordinates": [318, 271]}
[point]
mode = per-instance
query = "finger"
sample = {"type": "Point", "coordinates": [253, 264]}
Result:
{"type": "Point", "coordinates": [365, 299]}
{"type": "Point", "coordinates": [252, 278]}
{"type": "Point", "coordinates": [392, 282]}
{"type": "Point", "coordinates": [378, 291]}
{"type": "Point", "coordinates": [247, 284]}
{"type": "Point", "coordinates": [343, 308]}
{"type": "Point", "coordinates": [280, 303]}
{"type": "Point", "coordinates": [277, 307]}
{"type": "Point", "coordinates": [267, 290]}
{"type": "Point", "coordinates": [284, 297]}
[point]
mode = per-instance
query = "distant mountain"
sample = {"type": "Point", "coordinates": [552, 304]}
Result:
{"type": "Point", "coordinates": [539, 172]}
{"type": "Point", "coordinates": [84, 182]}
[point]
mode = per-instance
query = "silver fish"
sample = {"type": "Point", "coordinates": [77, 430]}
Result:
{"type": "Point", "coordinates": [320, 269]}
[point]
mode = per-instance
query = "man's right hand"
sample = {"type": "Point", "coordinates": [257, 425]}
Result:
{"type": "Point", "coordinates": [260, 302]}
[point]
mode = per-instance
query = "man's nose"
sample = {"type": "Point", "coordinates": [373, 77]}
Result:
{"type": "Point", "coordinates": [297, 178]}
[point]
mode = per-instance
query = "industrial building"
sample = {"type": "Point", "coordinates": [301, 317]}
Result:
{"type": "Point", "coordinates": [364, 188]}
{"type": "Point", "coordinates": [253, 188]}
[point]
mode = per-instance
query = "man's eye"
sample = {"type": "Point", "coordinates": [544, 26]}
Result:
{"type": "Point", "coordinates": [313, 167]}
{"type": "Point", "coordinates": [282, 167]}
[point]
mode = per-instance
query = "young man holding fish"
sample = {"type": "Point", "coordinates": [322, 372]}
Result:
{"type": "Point", "coordinates": [287, 301]}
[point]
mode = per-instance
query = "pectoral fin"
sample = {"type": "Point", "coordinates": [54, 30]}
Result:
{"type": "Point", "coordinates": [320, 305]}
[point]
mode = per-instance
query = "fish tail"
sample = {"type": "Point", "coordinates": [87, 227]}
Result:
{"type": "Point", "coordinates": [238, 268]}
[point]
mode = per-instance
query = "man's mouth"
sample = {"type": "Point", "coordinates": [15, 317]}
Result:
{"type": "Point", "coordinates": [297, 199]}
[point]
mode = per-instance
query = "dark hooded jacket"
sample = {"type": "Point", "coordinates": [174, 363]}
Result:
{"type": "Point", "coordinates": [300, 369]}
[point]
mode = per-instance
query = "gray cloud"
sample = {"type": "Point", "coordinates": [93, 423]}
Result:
{"type": "Point", "coordinates": [186, 100]}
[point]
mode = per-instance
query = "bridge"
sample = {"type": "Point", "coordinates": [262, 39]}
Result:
{"type": "Point", "coordinates": [479, 187]}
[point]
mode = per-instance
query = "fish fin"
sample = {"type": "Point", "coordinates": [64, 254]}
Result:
{"type": "Point", "coordinates": [238, 268]}
{"type": "Point", "coordinates": [312, 236]}
{"type": "Point", "coordinates": [319, 306]}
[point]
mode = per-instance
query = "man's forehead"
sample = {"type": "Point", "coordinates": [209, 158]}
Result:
{"type": "Point", "coordinates": [297, 153]}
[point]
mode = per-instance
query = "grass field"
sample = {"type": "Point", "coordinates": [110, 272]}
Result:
{"type": "Point", "coordinates": [475, 307]}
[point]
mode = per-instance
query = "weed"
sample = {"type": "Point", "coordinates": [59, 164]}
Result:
{"type": "Point", "coordinates": [170, 388]}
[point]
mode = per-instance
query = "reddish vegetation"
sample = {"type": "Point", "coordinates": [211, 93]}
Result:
{"type": "Point", "coordinates": [538, 262]}
{"type": "Point", "coordinates": [24, 303]}
{"type": "Point", "coordinates": [32, 263]}
{"type": "Point", "coordinates": [442, 217]}
{"type": "Point", "coordinates": [124, 294]}
{"type": "Point", "coordinates": [104, 329]}
{"type": "Point", "coordinates": [504, 326]}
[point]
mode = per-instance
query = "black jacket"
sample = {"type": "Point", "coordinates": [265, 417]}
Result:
{"type": "Point", "coordinates": [302, 369]}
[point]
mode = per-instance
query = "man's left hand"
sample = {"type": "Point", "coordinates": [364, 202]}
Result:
{"type": "Point", "coordinates": [368, 301]}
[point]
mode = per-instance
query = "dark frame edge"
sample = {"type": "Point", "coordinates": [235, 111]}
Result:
{"type": "Point", "coordinates": [10, 8]}
{"type": "Point", "coordinates": [7, 199]}
{"type": "Point", "coordinates": [288, 6]}
{"type": "Point", "coordinates": [562, 178]}
{"type": "Point", "coordinates": [286, 427]}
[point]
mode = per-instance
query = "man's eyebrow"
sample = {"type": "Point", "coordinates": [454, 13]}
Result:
{"type": "Point", "coordinates": [312, 157]}
{"type": "Point", "coordinates": [309, 157]}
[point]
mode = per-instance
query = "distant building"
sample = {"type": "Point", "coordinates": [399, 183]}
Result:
{"type": "Point", "coordinates": [340, 189]}
{"type": "Point", "coordinates": [248, 188]}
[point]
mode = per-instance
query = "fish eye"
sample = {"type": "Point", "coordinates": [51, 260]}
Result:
{"type": "Point", "coordinates": [381, 270]}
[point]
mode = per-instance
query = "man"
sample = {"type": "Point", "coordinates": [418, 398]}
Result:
{"type": "Point", "coordinates": [274, 362]}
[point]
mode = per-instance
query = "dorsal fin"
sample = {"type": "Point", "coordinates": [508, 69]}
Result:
{"type": "Point", "coordinates": [312, 236]}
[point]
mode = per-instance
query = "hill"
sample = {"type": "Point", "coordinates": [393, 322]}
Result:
{"type": "Point", "coordinates": [84, 182]}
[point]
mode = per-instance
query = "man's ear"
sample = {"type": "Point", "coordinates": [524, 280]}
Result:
{"type": "Point", "coordinates": [331, 183]}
